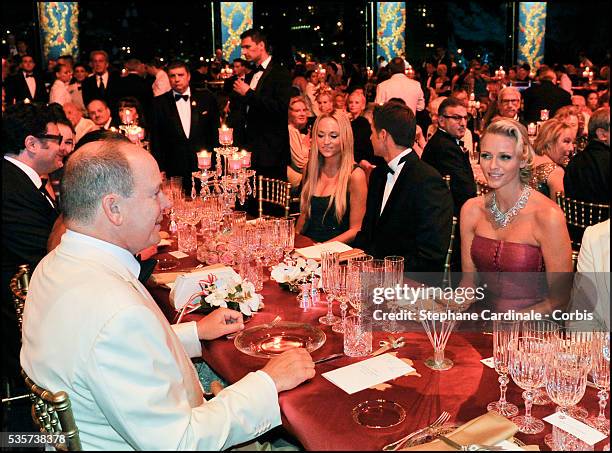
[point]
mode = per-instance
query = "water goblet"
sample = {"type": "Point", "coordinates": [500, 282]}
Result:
{"type": "Point", "coordinates": [341, 280]}
{"type": "Point", "coordinates": [527, 365]}
{"type": "Point", "coordinates": [357, 266]}
{"type": "Point", "coordinates": [600, 372]}
{"type": "Point", "coordinates": [503, 333]}
{"type": "Point", "coordinates": [329, 261]}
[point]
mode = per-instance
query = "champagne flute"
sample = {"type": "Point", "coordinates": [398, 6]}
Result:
{"type": "Point", "coordinates": [600, 372]}
{"type": "Point", "coordinates": [341, 282]}
{"type": "Point", "coordinates": [357, 266]}
{"type": "Point", "coordinates": [549, 331]}
{"type": "Point", "coordinates": [394, 276]}
{"type": "Point", "coordinates": [329, 260]}
{"type": "Point", "coordinates": [527, 365]}
{"type": "Point", "coordinates": [503, 333]}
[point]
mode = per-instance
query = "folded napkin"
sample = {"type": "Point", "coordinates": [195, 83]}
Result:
{"type": "Point", "coordinates": [488, 429]}
{"type": "Point", "coordinates": [314, 251]}
{"type": "Point", "coordinates": [189, 284]}
{"type": "Point", "coordinates": [163, 278]}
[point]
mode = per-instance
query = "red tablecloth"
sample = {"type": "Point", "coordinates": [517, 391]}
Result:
{"type": "Point", "coordinates": [319, 414]}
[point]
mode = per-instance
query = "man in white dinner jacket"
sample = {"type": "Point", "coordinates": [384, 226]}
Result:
{"type": "Point", "coordinates": [92, 329]}
{"type": "Point", "coordinates": [400, 86]}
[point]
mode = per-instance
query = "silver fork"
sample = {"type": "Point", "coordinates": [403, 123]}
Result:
{"type": "Point", "coordinates": [443, 418]}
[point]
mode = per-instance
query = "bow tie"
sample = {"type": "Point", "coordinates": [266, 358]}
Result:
{"type": "Point", "coordinates": [258, 68]}
{"type": "Point", "coordinates": [401, 161]}
{"type": "Point", "coordinates": [178, 97]}
{"type": "Point", "coordinates": [29, 75]}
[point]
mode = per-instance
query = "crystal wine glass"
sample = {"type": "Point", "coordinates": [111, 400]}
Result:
{"type": "Point", "coordinates": [394, 276]}
{"type": "Point", "coordinates": [600, 372]}
{"type": "Point", "coordinates": [341, 282]}
{"type": "Point", "coordinates": [357, 266]}
{"type": "Point", "coordinates": [287, 236]}
{"type": "Point", "coordinates": [527, 359]}
{"type": "Point", "coordinates": [503, 333]}
{"type": "Point", "coordinates": [329, 260]}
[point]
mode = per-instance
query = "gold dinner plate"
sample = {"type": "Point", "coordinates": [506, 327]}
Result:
{"type": "Point", "coordinates": [268, 341]}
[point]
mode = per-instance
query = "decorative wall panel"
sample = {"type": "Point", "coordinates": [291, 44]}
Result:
{"type": "Point", "coordinates": [532, 27]}
{"type": "Point", "coordinates": [391, 29]}
{"type": "Point", "coordinates": [59, 29]}
{"type": "Point", "coordinates": [236, 17]}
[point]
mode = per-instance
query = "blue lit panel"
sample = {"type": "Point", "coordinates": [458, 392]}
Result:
{"type": "Point", "coordinates": [59, 28]}
{"type": "Point", "coordinates": [236, 18]}
{"type": "Point", "coordinates": [532, 27]}
{"type": "Point", "coordinates": [391, 29]}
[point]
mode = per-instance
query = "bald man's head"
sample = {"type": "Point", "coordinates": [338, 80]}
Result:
{"type": "Point", "coordinates": [73, 113]}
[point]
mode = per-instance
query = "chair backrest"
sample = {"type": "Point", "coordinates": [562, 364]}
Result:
{"type": "Point", "coordinates": [273, 191]}
{"type": "Point", "coordinates": [482, 189]}
{"type": "Point", "coordinates": [52, 413]}
{"type": "Point", "coordinates": [449, 254]}
{"type": "Point", "coordinates": [582, 214]}
{"type": "Point", "coordinates": [19, 285]}
{"type": "Point", "coordinates": [447, 180]}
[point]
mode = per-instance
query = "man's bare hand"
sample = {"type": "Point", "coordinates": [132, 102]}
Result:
{"type": "Point", "coordinates": [222, 321]}
{"type": "Point", "coordinates": [290, 369]}
{"type": "Point", "coordinates": [241, 87]}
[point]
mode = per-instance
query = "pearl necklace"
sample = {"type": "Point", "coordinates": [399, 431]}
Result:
{"type": "Point", "coordinates": [502, 219]}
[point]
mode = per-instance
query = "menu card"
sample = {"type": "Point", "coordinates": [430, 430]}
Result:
{"type": "Point", "coordinates": [368, 373]}
{"type": "Point", "coordinates": [575, 427]}
{"type": "Point", "coordinates": [314, 251]}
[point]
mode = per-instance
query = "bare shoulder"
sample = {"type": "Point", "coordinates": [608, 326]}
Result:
{"type": "Point", "coordinates": [473, 206]}
{"type": "Point", "coordinates": [358, 177]}
{"type": "Point", "coordinates": [548, 214]}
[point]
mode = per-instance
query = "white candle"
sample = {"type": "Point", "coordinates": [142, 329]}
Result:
{"type": "Point", "coordinates": [234, 163]}
{"type": "Point", "coordinates": [245, 157]}
{"type": "Point", "coordinates": [226, 135]}
{"type": "Point", "coordinates": [204, 160]}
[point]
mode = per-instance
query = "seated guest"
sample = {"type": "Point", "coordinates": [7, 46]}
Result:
{"type": "Point", "coordinates": [509, 103]}
{"type": "Point", "coordinates": [100, 114]}
{"type": "Point", "coordinates": [80, 73]}
{"type": "Point", "coordinates": [66, 148]}
{"type": "Point", "coordinates": [513, 228]}
{"type": "Point", "coordinates": [340, 101]}
{"type": "Point", "coordinates": [587, 176]}
{"type": "Point", "coordinates": [31, 145]}
{"type": "Point", "coordinates": [443, 83]}
{"type": "Point", "coordinates": [312, 88]}
{"type": "Point", "coordinates": [130, 378]}
{"type": "Point", "coordinates": [409, 209]}
{"type": "Point", "coordinates": [299, 140]}
{"type": "Point", "coordinates": [570, 115]}
{"type": "Point", "coordinates": [59, 90]}
{"type": "Point", "coordinates": [553, 146]}
{"type": "Point", "coordinates": [592, 101]}
{"type": "Point", "coordinates": [546, 96]}
{"type": "Point", "coordinates": [364, 153]}
{"type": "Point", "coordinates": [334, 188]}
{"type": "Point", "coordinates": [325, 102]}
{"type": "Point", "coordinates": [81, 125]}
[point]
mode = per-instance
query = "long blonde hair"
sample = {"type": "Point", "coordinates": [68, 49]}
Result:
{"type": "Point", "coordinates": [550, 131]}
{"type": "Point", "coordinates": [315, 164]}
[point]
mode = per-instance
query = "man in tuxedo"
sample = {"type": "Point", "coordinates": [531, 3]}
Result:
{"type": "Point", "coordinates": [509, 103]}
{"type": "Point", "coordinates": [31, 146]}
{"type": "Point", "coordinates": [587, 175]}
{"type": "Point", "coordinates": [130, 379]}
{"type": "Point", "coordinates": [545, 96]}
{"type": "Point", "coordinates": [134, 84]}
{"type": "Point", "coordinates": [236, 116]}
{"type": "Point", "coordinates": [100, 114]}
{"type": "Point", "coordinates": [409, 209]}
{"type": "Point", "coordinates": [101, 84]}
{"type": "Point", "coordinates": [26, 84]}
{"type": "Point", "coordinates": [445, 152]}
{"type": "Point", "coordinates": [266, 92]}
{"type": "Point", "coordinates": [183, 123]}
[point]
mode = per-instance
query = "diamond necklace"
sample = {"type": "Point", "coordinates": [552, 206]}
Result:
{"type": "Point", "coordinates": [502, 219]}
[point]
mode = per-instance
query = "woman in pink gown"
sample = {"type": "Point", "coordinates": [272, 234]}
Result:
{"type": "Point", "coordinates": [514, 231]}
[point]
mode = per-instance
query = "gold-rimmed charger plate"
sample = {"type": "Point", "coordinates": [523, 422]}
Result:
{"type": "Point", "coordinates": [267, 340]}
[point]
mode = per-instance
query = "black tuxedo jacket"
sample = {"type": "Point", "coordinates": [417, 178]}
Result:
{"type": "Point", "coordinates": [544, 96]}
{"type": "Point", "coordinates": [27, 219]}
{"type": "Point", "coordinates": [175, 153]}
{"type": "Point", "coordinates": [417, 219]}
{"type": "Point", "coordinates": [444, 154]}
{"type": "Point", "coordinates": [587, 176]}
{"type": "Point", "coordinates": [111, 90]}
{"type": "Point", "coordinates": [266, 133]}
{"type": "Point", "coordinates": [236, 118]}
{"type": "Point", "coordinates": [17, 89]}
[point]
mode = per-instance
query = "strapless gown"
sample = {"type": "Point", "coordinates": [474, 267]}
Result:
{"type": "Point", "coordinates": [513, 273]}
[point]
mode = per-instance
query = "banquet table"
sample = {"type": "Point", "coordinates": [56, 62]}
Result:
{"type": "Point", "coordinates": [319, 414]}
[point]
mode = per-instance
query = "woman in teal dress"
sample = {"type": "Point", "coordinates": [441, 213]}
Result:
{"type": "Point", "coordinates": [334, 188]}
{"type": "Point", "coordinates": [553, 146]}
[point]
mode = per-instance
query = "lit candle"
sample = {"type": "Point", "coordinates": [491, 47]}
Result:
{"type": "Point", "coordinates": [543, 115]}
{"type": "Point", "coordinates": [585, 74]}
{"type": "Point", "coordinates": [472, 96]}
{"type": "Point", "coordinates": [128, 116]}
{"type": "Point", "coordinates": [234, 163]}
{"type": "Point", "coordinates": [226, 135]}
{"type": "Point", "coordinates": [245, 157]}
{"type": "Point", "coordinates": [204, 160]}
{"type": "Point", "coordinates": [531, 129]}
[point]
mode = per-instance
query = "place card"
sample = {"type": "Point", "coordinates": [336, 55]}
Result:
{"type": "Point", "coordinates": [314, 251]}
{"type": "Point", "coordinates": [490, 362]}
{"type": "Point", "coordinates": [178, 254]}
{"type": "Point", "coordinates": [368, 373]}
{"type": "Point", "coordinates": [576, 428]}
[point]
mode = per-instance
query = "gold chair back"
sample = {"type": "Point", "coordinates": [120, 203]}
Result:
{"type": "Point", "coordinates": [52, 413]}
{"type": "Point", "coordinates": [19, 285]}
{"type": "Point", "coordinates": [449, 254]}
{"type": "Point", "coordinates": [273, 191]}
{"type": "Point", "coordinates": [582, 214]}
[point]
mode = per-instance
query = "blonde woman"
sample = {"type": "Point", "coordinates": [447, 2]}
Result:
{"type": "Point", "coordinates": [334, 188]}
{"type": "Point", "coordinates": [553, 146]}
{"type": "Point", "coordinates": [299, 142]}
{"type": "Point", "coordinates": [514, 228]}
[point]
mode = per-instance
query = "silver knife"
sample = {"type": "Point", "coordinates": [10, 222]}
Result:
{"type": "Point", "coordinates": [329, 357]}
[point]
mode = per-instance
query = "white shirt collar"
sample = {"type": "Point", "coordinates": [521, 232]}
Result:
{"type": "Point", "coordinates": [394, 164]}
{"type": "Point", "coordinates": [187, 92]}
{"type": "Point", "coordinates": [107, 124]}
{"type": "Point", "coordinates": [35, 177]}
{"type": "Point", "coordinates": [266, 62]}
{"type": "Point", "coordinates": [124, 256]}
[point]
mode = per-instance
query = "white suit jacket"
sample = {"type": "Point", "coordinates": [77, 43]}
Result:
{"type": "Point", "coordinates": [592, 282]}
{"type": "Point", "coordinates": [90, 328]}
{"type": "Point", "coordinates": [400, 86]}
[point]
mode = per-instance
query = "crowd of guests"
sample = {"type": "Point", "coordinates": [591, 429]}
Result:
{"type": "Point", "coordinates": [392, 176]}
